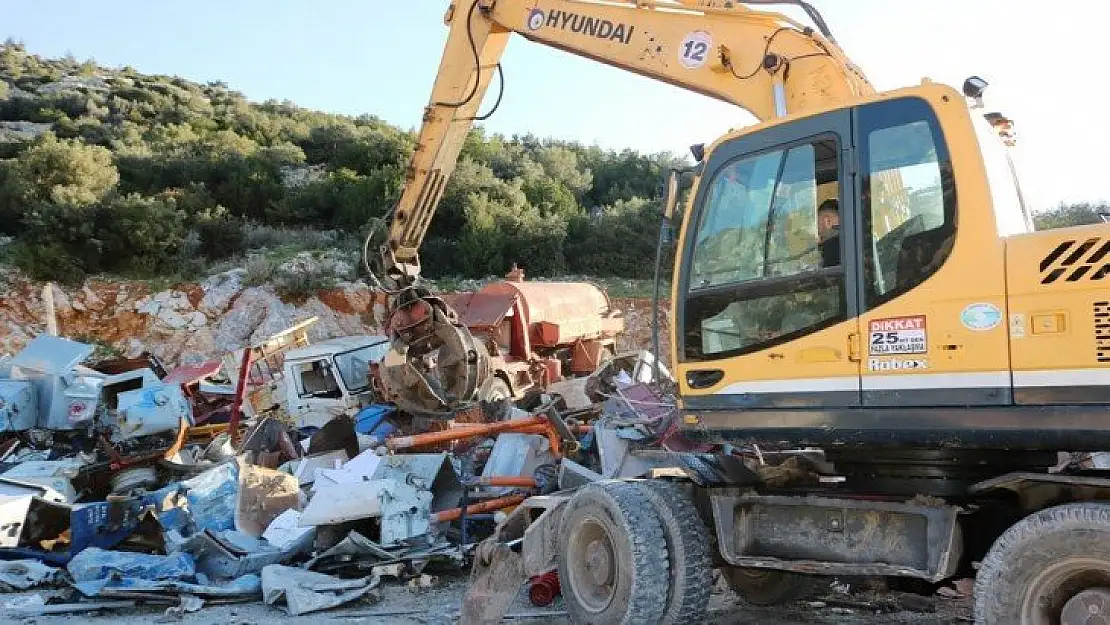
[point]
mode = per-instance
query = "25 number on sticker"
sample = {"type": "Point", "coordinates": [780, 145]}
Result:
{"type": "Point", "coordinates": [879, 339]}
{"type": "Point", "coordinates": [898, 342]}
{"type": "Point", "coordinates": [694, 51]}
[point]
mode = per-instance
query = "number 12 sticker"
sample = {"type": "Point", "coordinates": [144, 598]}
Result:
{"type": "Point", "coordinates": [694, 50]}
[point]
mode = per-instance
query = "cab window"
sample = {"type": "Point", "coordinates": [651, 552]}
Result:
{"type": "Point", "coordinates": [908, 197]}
{"type": "Point", "coordinates": [316, 379]}
{"type": "Point", "coordinates": [766, 259]}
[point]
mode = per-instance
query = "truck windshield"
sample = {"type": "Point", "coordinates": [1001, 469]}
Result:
{"type": "Point", "coordinates": [354, 365]}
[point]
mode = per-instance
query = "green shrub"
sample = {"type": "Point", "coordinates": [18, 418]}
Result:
{"type": "Point", "coordinates": [265, 237]}
{"type": "Point", "coordinates": [302, 284]}
{"type": "Point", "coordinates": [260, 270]}
{"type": "Point", "coordinates": [221, 236]}
{"type": "Point", "coordinates": [141, 235]}
{"type": "Point", "coordinates": [46, 262]}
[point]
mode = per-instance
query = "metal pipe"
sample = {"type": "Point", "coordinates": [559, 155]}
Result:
{"type": "Point", "coordinates": [504, 480]}
{"type": "Point", "coordinates": [457, 433]}
{"type": "Point", "coordinates": [543, 429]}
{"type": "Point", "coordinates": [453, 514]}
{"type": "Point", "coordinates": [240, 396]}
{"type": "Point", "coordinates": [663, 235]}
{"type": "Point", "coordinates": [779, 91]}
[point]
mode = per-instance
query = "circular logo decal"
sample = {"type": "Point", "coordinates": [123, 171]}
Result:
{"type": "Point", "coordinates": [535, 19]}
{"type": "Point", "coordinates": [694, 51]}
{"type": "Point", "coordinates": [981, 317]}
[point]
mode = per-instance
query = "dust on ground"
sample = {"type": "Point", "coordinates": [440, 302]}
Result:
{"type": "Point", "coordinates": [440, 604]}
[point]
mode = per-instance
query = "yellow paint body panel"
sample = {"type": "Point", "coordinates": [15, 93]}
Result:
{"type": "Point", "coordinates": [1052, 325]}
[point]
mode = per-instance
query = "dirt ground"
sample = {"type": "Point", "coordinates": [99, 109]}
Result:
{"type": "Point", "coordinates": [439, 604]}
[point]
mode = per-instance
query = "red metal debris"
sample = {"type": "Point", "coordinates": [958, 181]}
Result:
{"type": "Point", "coordinates": [543, 589]}
{"type": "Point", "coordinates": [187, 376]}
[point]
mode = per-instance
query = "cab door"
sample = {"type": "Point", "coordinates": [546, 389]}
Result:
{"type": "Point", "coordinates": [766, 315]}
{"type": "Point", "coordinates": [932, 310]}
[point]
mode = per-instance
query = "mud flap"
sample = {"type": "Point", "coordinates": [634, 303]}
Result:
{"type": "Point", "coordinates": [497, 575]}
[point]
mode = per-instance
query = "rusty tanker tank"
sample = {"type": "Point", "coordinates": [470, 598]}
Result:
{"type": "Point", "coordinates": [539, 332]}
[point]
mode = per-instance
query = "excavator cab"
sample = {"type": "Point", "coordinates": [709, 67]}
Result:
{"type": "Point", "coordinates": [927, 309]}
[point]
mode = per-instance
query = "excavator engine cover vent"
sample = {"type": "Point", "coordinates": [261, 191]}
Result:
{"type": "Point", "coordinates": [1102, 330]}
{"type": "Point", "coordinates": [1073, 260]}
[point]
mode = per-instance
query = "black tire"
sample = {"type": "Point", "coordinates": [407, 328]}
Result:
{"type": "Point", "coordinates": [610, 530]}
{"type": "Point", "coordinates": [688, 545]}
{"type": "Point", "coordinates": [766, 587]}
{"type": "Point", "coordinates": [1041, 562]}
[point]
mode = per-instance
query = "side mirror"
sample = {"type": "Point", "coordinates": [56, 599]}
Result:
{"type": "Point", "coordinates": [670, 194]}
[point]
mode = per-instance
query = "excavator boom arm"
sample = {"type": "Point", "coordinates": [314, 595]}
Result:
{"type": "Point", "coordinates": [761, 61]}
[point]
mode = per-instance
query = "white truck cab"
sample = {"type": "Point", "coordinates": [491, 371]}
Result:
{"type": "Point", "coordinates": [331, 378]}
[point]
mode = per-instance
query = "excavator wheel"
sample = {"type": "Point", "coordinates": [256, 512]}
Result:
{"type": "Point", "coordinates": [612, 556]}
{"type": "Point", "coordinates": [688, 545]}
{"type": "Point", "coordinates": [1053, 566]}
{"type": "Point", "coordinates": [765, 587]}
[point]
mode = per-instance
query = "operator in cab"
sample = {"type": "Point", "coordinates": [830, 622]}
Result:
{"type": "Point", "coordinates": [828, 232]}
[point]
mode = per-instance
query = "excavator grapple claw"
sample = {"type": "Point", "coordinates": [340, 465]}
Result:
{"type": "Point", "coordinates": [434, 365]}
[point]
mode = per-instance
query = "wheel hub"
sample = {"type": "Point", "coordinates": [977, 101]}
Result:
{"type": "Point", "coordinates": [593, 566]}
{"type": "Point", "coordinates": [1089, 607]}
{"type": "Point", "coordinates": [1072, 591]}
{"type": "Point", "coordinates": [599, 563]}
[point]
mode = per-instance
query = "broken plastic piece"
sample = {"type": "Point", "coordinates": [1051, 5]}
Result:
{"type": "Point", "coordinates": [285, 533]}
{"type": "Point", "coordinates": [306, 468]}
{"type": "Point", "coordinates": [152, 409]}
{"type": "Point", "coordinates": [230, 554]}
{"type": "Point", "coordinates": [403, 509]}
{"type": "Point", "coordinates": [18, 405]}
{"type": "Point", "coordinates": [354, 547]}
{"type": "Point", "coordinates": [56, 475]}
{"type": "Point", "coordinates": [241, 588]}
{"type": "Point", "coordinates": [308, 591]}
{"type": "Point", "coordinates": [24, 574]}
{"type": "Point", "coordinates": [212, 497]}
{"type": "Point", "coordinates": [95, 564]}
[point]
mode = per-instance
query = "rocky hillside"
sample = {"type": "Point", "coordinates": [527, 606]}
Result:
{"type": "Point", "coordinates": [190, 322]}
{"type": "Point", "coordinates": [184, 322]}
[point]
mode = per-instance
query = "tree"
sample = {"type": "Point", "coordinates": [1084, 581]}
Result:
{"type": "Point", "coordinates": [221, 234]}
{"type": "Point", "coordinates": [561, 164]}
{"type": "Point", "coordinates": [550, 198]}
{"type": "Point", "coordinates": [66, 172]}
{"type": "Point", "coordinates": [621, 242]}
{"type": "Point", "coordinates": [140, 235]}
{"type": "Point", "coordinates": [1066, 215]}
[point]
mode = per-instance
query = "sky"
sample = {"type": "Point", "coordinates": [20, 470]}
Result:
{"type": "Point", "coordinates": [1043, 60]}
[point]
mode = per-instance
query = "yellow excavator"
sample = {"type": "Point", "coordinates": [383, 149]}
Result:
{"type": "Point", "coordinates": [858, 294]}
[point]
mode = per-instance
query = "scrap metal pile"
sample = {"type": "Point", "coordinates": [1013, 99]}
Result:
{"type": "Point", "coordinates": [122, 483]}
